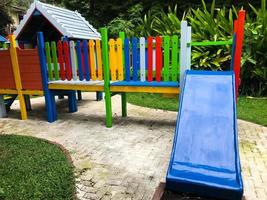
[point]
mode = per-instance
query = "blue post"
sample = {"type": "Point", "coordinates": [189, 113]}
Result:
{"type": "Point", "coordinates": [65, 38]}
{"type": "Point", "coordinates": [49, 97]}
{"type": "Point", "coordinates": [72, 101]}
{"type": "Point", "coordinates": [99, 96]}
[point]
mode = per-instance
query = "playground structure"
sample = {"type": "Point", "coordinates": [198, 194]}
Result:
{"type": "Point", "coordinates": [154, 65]}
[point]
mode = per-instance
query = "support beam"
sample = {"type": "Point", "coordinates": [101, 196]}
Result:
{"type": "Point", "coordinates": [16, 72]}
{"type": "Point", "coordinates": [79, 95]}
{"type": "Point", "coordinates": [27, 100]}
{"type": "Point", "coordinates": [49, 97]}
{"type": "Point", "coordinates": [167, 90]}
{"type": "Point", "coordinates": [2, 107]}
{"type": "Point", "coordinates": [124, 104]}
{"type": "Point", "coordinates": [72, 101]}
{"type": "Point", "coordinates": [99, 96]}
{"type": "Point", "coordinates": [104, 37]}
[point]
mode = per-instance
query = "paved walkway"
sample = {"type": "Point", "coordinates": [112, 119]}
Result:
{"type": "Point", "coordinates": [128, 160]}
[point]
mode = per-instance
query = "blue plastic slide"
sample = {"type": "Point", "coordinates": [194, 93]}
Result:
{"type": "Point", "coordinates": [205, 158]}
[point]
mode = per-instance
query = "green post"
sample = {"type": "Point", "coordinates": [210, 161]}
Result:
{"type": "Point", "coordinates": [104, 39]}
{"type": "Point", "coordinates": [124, 104]}
{"type": "Point", "coordinates": [123, 95]}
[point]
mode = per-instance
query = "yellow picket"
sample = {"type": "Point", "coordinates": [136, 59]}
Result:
{"type": "Point", "coordinates": [119, 59]}
{"type": "Point", "coordinates": [99, 60]}
{"type": "Point", "coordinates": [92, 59]}
{"type": "Point", "coordinates": [112, 59]}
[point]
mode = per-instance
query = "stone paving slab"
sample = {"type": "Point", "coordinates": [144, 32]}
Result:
{"type": "Point", "coordinates": [128, 160]}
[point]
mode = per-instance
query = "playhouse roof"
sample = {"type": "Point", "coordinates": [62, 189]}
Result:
{"type": "Point", "coordinates": [2, 39]}
{"type": "Point", "coordinates": [68, 23]}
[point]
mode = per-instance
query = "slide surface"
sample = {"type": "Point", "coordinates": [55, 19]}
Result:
{"type": "Point", "coordinates": [205, 158]}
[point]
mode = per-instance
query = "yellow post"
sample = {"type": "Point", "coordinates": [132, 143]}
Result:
{"type": "Point", "coordinates": [99, 61]}
{"type": "Point", "coordinates": [16, 72]}
{"type": "Point", "coordinates": [119, 59]}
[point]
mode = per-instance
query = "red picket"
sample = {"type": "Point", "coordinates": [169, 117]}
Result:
{"type": "Point", "coordinates": [67, 59]}
{"type": "Point", "coordinates": [61, 60]}
{"type": "Point", "coordinates": [158, 58]}
{"type": "Point", "coordinates": [150, 59]}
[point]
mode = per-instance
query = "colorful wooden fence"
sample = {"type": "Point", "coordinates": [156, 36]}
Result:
{"type": "Point", "coordinates": [74, 61]}
{"type": "Point", "coordinates": [145, 59]}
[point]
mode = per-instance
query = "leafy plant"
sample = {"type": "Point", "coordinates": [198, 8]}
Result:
{"type": "Point", "coordinates": [127, 22]}
{"type": "Point", "coordinates": [167, 23]}
{"type": "Point", "coordinates": [212, 24]}
{"type": "Point", "coordinates": [254, 69]}
{"type": "Point", "coordinates": [216, 24]}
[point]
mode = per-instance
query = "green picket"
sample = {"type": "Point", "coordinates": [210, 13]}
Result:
{"type": "Point", "coordinates": [48, 60]}
{"type": "Point", "coordinates": [54, 55]}
{"type": "Point", "coordinates": [175, 58]}
{"type": "Point", "coordinates": [166, 58]}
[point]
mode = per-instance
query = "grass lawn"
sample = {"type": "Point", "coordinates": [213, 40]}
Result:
{"type": "Point", "coordinates": [32, 168]}
{"type": "Point", "coordinates": [250, 109]}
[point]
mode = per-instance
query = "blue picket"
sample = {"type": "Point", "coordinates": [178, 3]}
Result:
{"type": "Point", "coordinates": [127, 59]}
{"type": "Point", "coordinates": [135, 58]}
{"type": "Point", "coordinates": [79, 56]}
{"type": "Point", "coordinates": [85, 56]}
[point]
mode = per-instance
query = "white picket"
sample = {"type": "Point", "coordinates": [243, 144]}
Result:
{"type": "Point", "coordinates": [142, 59]}
{"type": "Point", "coordinates": [73, 60]}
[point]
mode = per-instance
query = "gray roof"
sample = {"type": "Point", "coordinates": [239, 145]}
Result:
{"type": "Point", "coordinates": [68, 23]}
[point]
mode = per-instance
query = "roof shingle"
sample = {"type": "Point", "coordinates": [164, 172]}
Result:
{"type": "Point", "coordinates": [69, 23]}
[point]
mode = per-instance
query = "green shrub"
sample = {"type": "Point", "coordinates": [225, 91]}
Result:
{"type": "Point", "coordinates": [254, 68]}
{"type": "Point", "coordinates": [127, 22]}
{"type": "Point", "coordinates": [216, 24]}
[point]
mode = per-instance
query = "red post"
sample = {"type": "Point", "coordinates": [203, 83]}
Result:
{"type": "Point", "coordinates": [239, 30]}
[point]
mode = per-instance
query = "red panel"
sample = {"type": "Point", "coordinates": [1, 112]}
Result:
{"type": "Point", "coordinates": [150, 58]}
{"type": "Point", "coordinates": [27, 52]}
{"type": "Point", "coordinates": [158, 58]}
{"type": "Point", "coordinates": [29, 68]}
{"type": "Point", "coordinates": [67, 59]}
{"type": "Point", "coordinates": [61, 60]}
{"type": "Point", "coordinates": [32, 85]}
{"type": "Point", "coordinates": [30, 71]}
{"type": "Point", "coordinates": [7, 80]}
